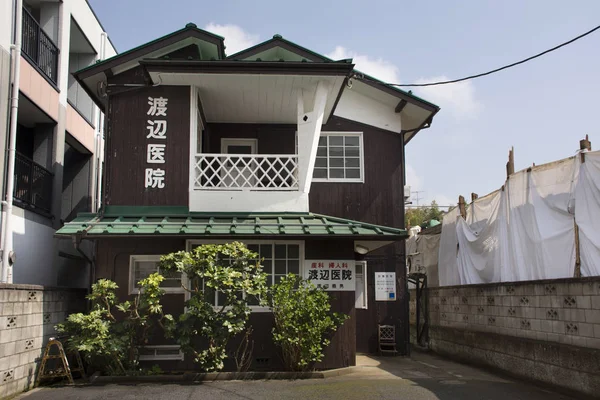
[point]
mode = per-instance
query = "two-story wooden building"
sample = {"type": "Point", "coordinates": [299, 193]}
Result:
{"type": "Point", "coordinates": [299, 156]}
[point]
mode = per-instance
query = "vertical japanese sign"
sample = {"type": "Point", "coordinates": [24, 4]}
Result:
{"type": "Point", "coordinates": [154, 176]}
{"type": "Point", "coordinates": [331, 275]}
{"type": "Point", "coordinates": [385, 286]}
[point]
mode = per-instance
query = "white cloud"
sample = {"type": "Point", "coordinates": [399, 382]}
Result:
{"type": "Point", "coordinates": [236, 39]}
{"type": "Point", "coordinates": [376, 67]}
{"type": "Point", "coordinates": [456, 99]}
{"type": "Point", "coordinates": [416, 183]}
{"type": "Point", "coordinates": [412, 179]}
{"type": "Point", "coordinates": [443, 200]}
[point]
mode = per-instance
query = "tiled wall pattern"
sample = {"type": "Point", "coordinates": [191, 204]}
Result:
{"type": "Point", "coordinates": [564, 311]}
{"type": "Point", "coordinates": [28, 315]}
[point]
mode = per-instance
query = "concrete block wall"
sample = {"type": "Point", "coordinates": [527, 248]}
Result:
{"type": "Point", "coordinates": [512, 326]}
{"type": "Point", "coordinates": [28, 314]}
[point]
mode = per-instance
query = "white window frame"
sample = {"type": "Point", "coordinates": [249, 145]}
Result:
{"type": "Point", "coordinates": [149, 258]}
{"type": "Point", "coordinates": [164, 357]}
{"type": "Point", "coordinates": [195, 242]}
{"type": "Point", "coordinates": [361, 159]}
{"type": "Point", "coordinates": [365, 302]}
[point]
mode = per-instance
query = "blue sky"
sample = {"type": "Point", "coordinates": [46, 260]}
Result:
{"type": "Point", "coordinates": [541, 108]}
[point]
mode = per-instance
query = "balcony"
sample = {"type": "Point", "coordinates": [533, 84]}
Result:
{"type": "Point", "coordinates": [38, 48]}
{"type": "Point", "coordinates": [247, 183]}
{"type": "Point", "coordinates": [248, 172]}
{"type": "Point", "coordinates": [33, 184]}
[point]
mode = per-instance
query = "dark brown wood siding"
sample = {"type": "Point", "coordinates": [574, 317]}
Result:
{"type": "Point", "coordinates": [271, 139]}
{"type": "Point", "coordinates": [112, 262]}
{"type": "Point", "coordinates": [126, 148]}
{"type": "Point", "coordinates": [379, 200]}
{"type": "Point", "coordinates": [342, 350]}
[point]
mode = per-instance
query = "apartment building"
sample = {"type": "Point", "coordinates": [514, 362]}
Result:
{"type": "Point", "coordinates": [58, 158]}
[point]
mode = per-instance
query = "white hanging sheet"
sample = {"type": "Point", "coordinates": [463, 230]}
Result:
{"type": "Point", "coordinates": [429, 245]}
{"type": "Point", "coordinates": [422, 256]}
{"type": "Point", "coordinates": [480, 257]}
{"type": "Point", "coordinates": [448, 267]}
{"type": "Point", "coordinates": [526, 232]}
{"type": "Point", "coordinates": [541, 236]}
{"type": "Point", "coordinates": [587, 214]}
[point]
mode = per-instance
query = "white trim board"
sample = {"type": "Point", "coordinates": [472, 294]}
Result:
{"type": "Point", "coordinates": [248, 201]}
{"type": "Point", "coordinates": [358, 107]}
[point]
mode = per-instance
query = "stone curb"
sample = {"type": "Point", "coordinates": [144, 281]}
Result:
{"type": "Point", "coordinates": [221, 376]}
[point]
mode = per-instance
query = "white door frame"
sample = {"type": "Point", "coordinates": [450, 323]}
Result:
{"type": "Point", "coordinates": [253, 143]}
{"type": "Point", "coordinates": [248, 172]}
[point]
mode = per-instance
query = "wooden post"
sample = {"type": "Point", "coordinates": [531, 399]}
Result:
{"type": "Point", "coordinates": [577, 273]}
{"type": "Point", "coordinates": [462, 207]}
{"type": "Point", "coordinates": [510, 165]}
{"type": "Point", "coordinates": [474, 196]}
{"type": "Point", "coordinates": [584, 144]}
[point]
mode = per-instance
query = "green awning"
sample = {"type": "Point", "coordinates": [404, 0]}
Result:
{"type": "Point", "coordinates": [118, 221]}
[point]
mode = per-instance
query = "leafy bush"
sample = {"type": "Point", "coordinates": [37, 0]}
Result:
{"type": "Point", "coordinates": [110, 335]}
{"type": "Point", "coordinates": [302, 321]}
{"type": "Point", "coordinates": [232, 271]}
{"type": "Point", "coordinates": [108, 343]}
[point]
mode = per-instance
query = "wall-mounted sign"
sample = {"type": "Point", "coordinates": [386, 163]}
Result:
{"type": "Point", "coordinates": [385, 286]}
{"type": "Point", "coordinates": [331, 275]}
{"type": "Point", "coordinates": [157, 133]}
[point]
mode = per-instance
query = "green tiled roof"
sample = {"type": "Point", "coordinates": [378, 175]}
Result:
{"type": "Point", "coordinates": [177, 221]}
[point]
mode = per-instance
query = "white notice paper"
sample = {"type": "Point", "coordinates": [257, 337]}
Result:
{"type": "Point", "coordinates": [385, 286]}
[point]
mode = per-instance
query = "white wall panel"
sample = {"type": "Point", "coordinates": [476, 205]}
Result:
{"type": "Point", "coordinates": [364, 109]}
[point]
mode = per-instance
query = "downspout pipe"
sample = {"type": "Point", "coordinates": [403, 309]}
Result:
{"type": "Point", "coordinates": [99, 140]}
{"type": "Point", "coordinates": [76, 239]}
{"type": "Point", "coordinates": [76, 243]}
{"type": "Point", "coordinates": [7, 243]}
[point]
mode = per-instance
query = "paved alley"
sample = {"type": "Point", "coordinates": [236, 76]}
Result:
{"type": "Point", "coordinates": [422, 377]}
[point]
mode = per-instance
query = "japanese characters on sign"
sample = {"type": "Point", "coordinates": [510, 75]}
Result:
{"type": "Point", "coordinates": [385, 286]}
{"type": "Point", "coordinates": [331, 275]}
{"type": "Point", "coordinates": [156, 146]}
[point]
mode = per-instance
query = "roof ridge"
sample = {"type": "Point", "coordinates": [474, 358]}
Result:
{"type": "Point", "coordinates": [188, 27]}
{"type": "Point", "coordinates": [278, 37]}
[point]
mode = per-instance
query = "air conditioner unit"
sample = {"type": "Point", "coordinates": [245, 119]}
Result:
{"type": "Point", "coordinates": [406, 192]}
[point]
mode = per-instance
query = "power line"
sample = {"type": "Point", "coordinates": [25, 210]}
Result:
{"type": "Point", "coordinates": [497, 69]}
{"type": "Point", "coordinates": [438, 206]}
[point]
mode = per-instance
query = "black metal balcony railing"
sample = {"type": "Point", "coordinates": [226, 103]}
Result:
{"type": "Point", "coordinates": [33, 184]}
{"type": "Point", "coordinates": [39, 48]}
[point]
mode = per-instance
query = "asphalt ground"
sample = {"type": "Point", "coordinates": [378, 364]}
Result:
{"type": "Point", "coordinates": [422, 376]}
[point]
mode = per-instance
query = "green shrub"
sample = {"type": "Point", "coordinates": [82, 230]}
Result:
{"type": "Point", "coordinates": [303, 321]}
{"type": "Point", "coordinates": [110, 343]}
{"type": "Point", "coordinates": [234, 272]}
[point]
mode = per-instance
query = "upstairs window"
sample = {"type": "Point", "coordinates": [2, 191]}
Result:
{"type": "Point", "coordinates": [340, 157]}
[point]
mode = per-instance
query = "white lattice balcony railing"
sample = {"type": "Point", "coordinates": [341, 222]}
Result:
{"type": "Point", "coordinates": [246, 172]}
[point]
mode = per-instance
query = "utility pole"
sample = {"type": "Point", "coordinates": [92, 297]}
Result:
{"type": "Point", "coordinates": [417, 198]}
